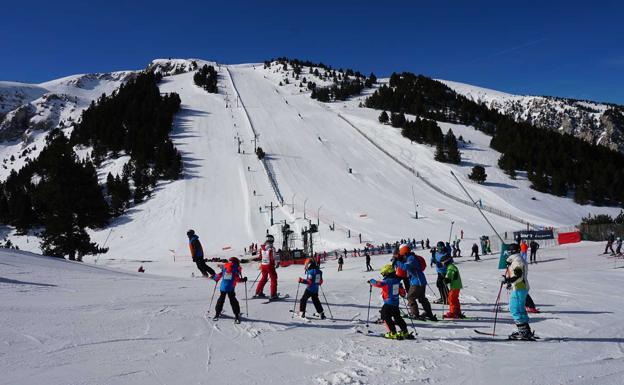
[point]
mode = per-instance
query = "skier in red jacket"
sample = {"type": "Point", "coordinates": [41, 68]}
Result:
{"type": "Point", "coordinates": [269, 262]}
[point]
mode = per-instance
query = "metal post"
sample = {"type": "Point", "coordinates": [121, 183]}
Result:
{"type": "Point", "coordinates": [304, 208]}
{"type": "Point", "coordinates": [318, 216]}
{"type": "Point", "coordinates": [293, 203]}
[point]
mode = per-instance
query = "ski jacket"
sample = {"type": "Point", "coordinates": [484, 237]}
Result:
{"type": "Point", "coordinates": [517, 272]}
{"type": "Point", "coordinates": [524, 247]}
{"type": "Point", "coordinates": [340, 261]}
{"type": "Point", "coordinates": [268, 256]}
{"type": "Point", "coordinates": [399, 267]}
{"type": "Point", "coordinates": [197, 252]}
{"type": "Point", "coordinates": [229, 276]}
{"type": "Point", "coordinates": [391, 289]}
{"type": "Point", "coordinates": [314, 279]}
{"type": "Point", "coordinates": [534, 246]}
{"type": "Point", "coordinates": [452, 275]}
{"type": "Point", "coordinates": [436, 258]}
{"type": "Point", "coordinates": [414, 268]}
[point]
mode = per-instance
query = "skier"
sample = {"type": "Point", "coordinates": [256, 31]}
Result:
{"type": "Point", "coordinates": [197, 253]}
{"type": "Point", "coordinates": [523, 250]}
{"type": "Point", "coordinates": [230, 275]}
{"type": "Point", "coordinates": [475, 252]}
{"type": "Point", "coordinates": [368, 259]}
{"type": "Point", "coordinates": [618, 246]}
{"type": "Point", "coordinates": [427, 246]}
{"type": "Point", "coordinates": [453, 279]}
{"type": "Point", "coordinates": [515, 278]}
{"type": "Point", "coordinates": [313, 279]}
{"type": "Point", "coordinates": [397, 262]}
{"type": "Point", "coordinates": [391, 289]}
{"type": "Point", "coordinates": [269, 262]}
{"type": "Point", "coordinates": [610, 240]}
{"type": "Point", "coordinates": [415, 266]}
{"type": "Point", "coordinates": [340, 262]}
{"type": "Point", "coordinates": [436, 259]}
{"type": "Point", "coordinates": [533, 246]}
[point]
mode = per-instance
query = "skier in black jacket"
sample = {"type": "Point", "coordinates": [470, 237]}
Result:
{"type": "Point", "coordinates": [197, 253]}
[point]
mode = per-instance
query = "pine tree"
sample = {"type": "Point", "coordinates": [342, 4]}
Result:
{"type": "Point", "coordinates": [383, 117]}
{"type": "Point", "coordinates": [478, 174]}
{"type": "Point", "coordinates": [440, 155]}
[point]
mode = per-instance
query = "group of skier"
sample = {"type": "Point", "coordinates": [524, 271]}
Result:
{"type": "Point", "coordinates": [402, 277]}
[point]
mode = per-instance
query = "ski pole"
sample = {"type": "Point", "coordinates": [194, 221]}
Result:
{"type": "Point", "coordinates": [246, 301]}
{"type": "Point", "coordinates": [432, 292]}
{"type": "Point", "coordinates": [370, 295]}
{"type": "Point", "coordinates": [326, 303]}
{"type": "Point", "coordinates": [295, 304]}
{"type": "Point", "coordinates": [496, 308]}
{"type": "Point", "coordinates": [410, 318]}
{"type": "Point", "coordinates": [256, 280]}
{"type": "Point", "coordinates": [212, 299]}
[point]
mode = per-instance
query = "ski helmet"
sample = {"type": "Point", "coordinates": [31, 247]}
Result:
{"type": "Point", "coordinates": [235, 260]}
{"type": "Point", "coordinates": [387, 270]}
{"type": "Point", "coordinates": [404, 249]}
{"type": "Point", "coordinates": [190, 233]}
{"type": "Point", "coordinates": [309, 263]}
{"type": "Point", "coordinates": [270, 238]}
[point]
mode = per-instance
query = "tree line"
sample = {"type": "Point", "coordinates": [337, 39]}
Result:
{"type": "Point", "coordinates": [557, 164]}
{"type": "Point", "coordinates": [206, 78]}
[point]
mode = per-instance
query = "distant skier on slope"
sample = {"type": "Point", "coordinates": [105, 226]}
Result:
{"type": "Point", "coordinates": [534, 246]}
{"type": "Point", "coordinates": [610, 240]}
{"type": "Point", "coordinates": [313, 279]}
{"type": "Point", "coordinates": [391, 289]}
{"type": "Point", "coordinates": [515, 279]}
{"type": "Point", "coordinates": [231, 273]}
{"type": "Point", "coordinates": [415, 266]}
{"type": "Point", "coordinates": [269, 262]}
{"type": "Point", "coordinates": [368, 261]}
{"type": "Point", "coordinates": [475, 252]}
{"type": "Point", "coordinates": [197, 254]}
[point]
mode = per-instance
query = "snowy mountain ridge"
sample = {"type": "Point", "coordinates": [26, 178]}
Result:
{"type": "Point", "coordinates": [594, 122]}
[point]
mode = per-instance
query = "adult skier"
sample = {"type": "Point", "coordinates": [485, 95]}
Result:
{"type": "Point", "coordinates": [398, 261]}
{"type": "Point", "coordinates": [197, 254]}
{"type": "Point", "coordinates": [230, 275]}
{"type": "Point", "coordinates": [533, 246]}
{"type": "Point", "coordinates": [368, 260]}
{"type": "Point", "coordinates": [618, 246]}
{"type": "Point", "coordinates": [340, 263]}
{"type": "Point", "coordinates": [475, 252]}
{"type": "Point", "coordinates": [437, 255]}
{"type": "Point", "coordinates": [415, 266]}
{"type": "Point", "coordinates": [313, 279]}
{"type": "Point", "coordinates": [610, 240]}
{"type": "Point", "coordinates": [269, 262]}
{"type": "Point", "coordinates": [515, 280]}
{"type": "Point", "coordinates": [391, 289]}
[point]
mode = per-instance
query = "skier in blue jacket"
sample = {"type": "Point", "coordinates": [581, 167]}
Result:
{"type": "Point", "coordinates": [391, 289]}
{"type": "Point", "coordinates": [415, 266]}
{"type": "Point", "coordinates": [439, 254]}
{"type": "Point", "coordinates": [230, 275]}
{"type": "Point", "coordinates": [313, 279]}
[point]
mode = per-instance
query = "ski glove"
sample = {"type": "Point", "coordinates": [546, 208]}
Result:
{"type": "Point", "coordinates": [244, 279]}
{"type": "Point", "coordinates": [300, 280]}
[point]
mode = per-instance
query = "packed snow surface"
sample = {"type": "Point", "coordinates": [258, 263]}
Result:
{"type": "Point", "coordinates": [72, 323]}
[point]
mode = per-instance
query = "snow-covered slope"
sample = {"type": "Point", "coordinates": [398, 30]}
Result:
{"type": "Point", "coordinates": [311, 146]}
{"type": "Point", "coordinates": [597, 123]}
{"type": "Point", "coordinates": [69, 323]}
{"type": "Point", "coordinates": [28, 111]}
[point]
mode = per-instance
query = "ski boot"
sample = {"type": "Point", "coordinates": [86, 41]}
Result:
{"type": "Point", "coordinates": [322, 315]}
{"type": "Point", "coordinates": [237, 319]}
{"type": "Point", "coordinates": [431, 317]}
{"type": "Point", "coordinates": [274, 297]}
{"type": "Point", "coordinates": [532, 310]}
{"type": "Point", "coordinates": [406, 335]}
{"type": "Point", "coordinates": [259, 295]}
{"type": "Point", "coordinates": [392, 336]}
{"type": "Point", "coordinates": [523, 333]}
{"type": "Point", "coordinates": [438, 301]}
{"type": "Point", "coordinates": [216, 317]}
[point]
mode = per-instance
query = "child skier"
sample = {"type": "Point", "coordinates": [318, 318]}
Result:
{"type": "Point", "coordinates": [313, 279]}
{"type": "Point", "coordinates": [453, 279]}
{"type": "Point", "coordinates": [340, 262]}
{"type": "Point", "coordinates": [391, 288]}
{"type": "Point", "coordinates": [437, 255]}
{"type": "Point", "coordinates": [515, 278]}
{"type": "Point", "coordinates": [230, 275]}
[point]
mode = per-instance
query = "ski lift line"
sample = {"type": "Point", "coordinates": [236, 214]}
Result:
{"type": "Point", "coordinates": [267, 169]}
{"type": "Point", "coordinates": [439, 190]}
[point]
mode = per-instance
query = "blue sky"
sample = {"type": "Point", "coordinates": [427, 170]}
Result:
{"type": "Point", "coordinates": [561, 48]}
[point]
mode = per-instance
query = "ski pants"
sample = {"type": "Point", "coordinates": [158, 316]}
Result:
{"type": "Point", "coordinates": [517, 308]}
{"type": "Point", "coordinates": [417, 293]}
{"type": "Point", "coordinates": [609, 247]}
{"type": "Point", "coordinates": [233, 302]}
{"type": "Point", "coordinates": [529, 302]}
{"type": "Point", "coordinates": [392, 317]}
{"type": "Point", "coordinates": [205, 269]}
{"type": "Point", "coordinates": [267, 271]}
{"type": "Point", "coordinates": [315, 300]}
{"type": "Point", "coordinates": [453, 299]}
{"type": "Point", "coordinates": [533, 256]}
{"type": "Point", "coordinates": [406, 283]}
{"type": "Point", "coordinates": [368, 266]}
{"type": "Point", "coordinates": [476, 255]}
{"type": "Point", "coordinates": [340, 267]}
{"type": "Point", "coordinates": [442, 288]}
